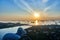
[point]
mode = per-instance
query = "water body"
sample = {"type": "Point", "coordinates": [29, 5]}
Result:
{"type": "Point", "coordinates": [11, 30]}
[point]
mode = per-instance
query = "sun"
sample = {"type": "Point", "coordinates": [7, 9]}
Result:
{"type": "Point", "coordinates": [36, 14]}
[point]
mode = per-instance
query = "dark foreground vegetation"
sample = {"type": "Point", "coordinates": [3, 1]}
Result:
{"type": "Point", "coordinates": [46, 32]}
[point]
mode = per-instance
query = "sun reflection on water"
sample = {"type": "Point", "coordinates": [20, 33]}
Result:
{"type": "Point", "coordinates": [36, 22]}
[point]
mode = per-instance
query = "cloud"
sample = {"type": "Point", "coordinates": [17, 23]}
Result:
{"type": "Point", "coordinates": [27, 5]}
{"type": "Point", "coordinates": [44, 1]}
{"type": "Point", "coordinates": [18, 4]}
{"type": "Point", "coordinates": [24, 5]}
{"type": "Point", "coordinates": [50, 7]}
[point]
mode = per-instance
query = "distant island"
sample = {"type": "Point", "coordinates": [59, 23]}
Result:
{"type": "Point", "coordinates": [7, 25]}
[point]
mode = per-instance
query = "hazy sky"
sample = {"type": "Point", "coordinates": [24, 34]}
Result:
{"type": "Point", "coordinates": [21, 8]}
